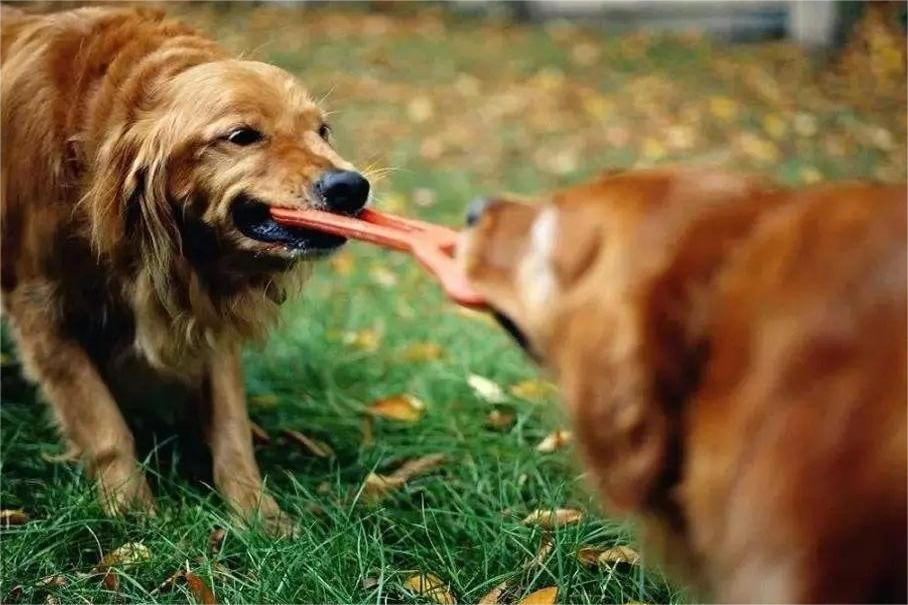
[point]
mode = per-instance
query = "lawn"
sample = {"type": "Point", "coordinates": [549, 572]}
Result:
{"type": "Point", "coordinates": [436, 109]}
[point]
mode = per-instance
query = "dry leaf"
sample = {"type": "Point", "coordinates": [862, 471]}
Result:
{"type": "Point", "coordinates": [366, 340]}
{"type": "Point", "coordinates": [368, 583]}
{"type": "Point", "coordinates": [591, 556]}
{"type": "Point", "coordinates": [200, 591]}
{"type": "Point", "coordinates": [111, 581]}
{"type": "Point", "coordinates": [314, 446]}
{"type": "Point", "coordinates": [550, 519]}
{"type": "Point", "coordinates": [486, 389]}
{"type": "Point", "coordinates": [493, 597]}
{"type": "Point", "coordinates": [431, 587]}
{"type": "Point", "coordinates": [259, 435]}
{"type": "Point", "coordinates": [15, 516]}
{"type": "Point", "coordinates": [342, 263]}
{"type": "Point", "coordinates": [500, 419]}
{"type": "Point", "coordinates": [475, 315]}
{"type": "Point", "coordinates": [265, 401]}
{"type": "Point", "coordinates": [375, 486]}
{"type": "Point", "coordinates": [366, 428]}
{"type": "Point", "coordinates": [216, 539]}
{"type": "Point", "coordinates": [405, 408]}
{"type": "Point", "coordinates": [383, 276]}
{"type": "Point", "coordinates": [423, 351]}
{"type": "Point", "coordinates": [128, 554]}
{"type": "Point", "coordinates": [554, 441]}
{"type": "Point", "coordinates": [532, 389]}
{"type": "Point", "coordinates": [545, 549]}
{"type": "Point", "coordinates": [543, 596]}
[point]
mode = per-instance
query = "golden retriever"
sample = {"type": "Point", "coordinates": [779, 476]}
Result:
{"type": "Point", "coordinates": [734, 359]}
{"type": "Point", "coordinates": [139, 160]}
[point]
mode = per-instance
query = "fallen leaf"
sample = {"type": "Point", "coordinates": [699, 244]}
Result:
{"type": "Point", "coordinates": [493, 597]}
{"type": "Point", "coordinates": [543, 596]}
{"type": "Point", "coordinates": [366, 340]}
{"type": "Point", "coordinates": [500, 419]}
{"type": "Point", "coordinates": [431, 587]}
{"type": "Point", "coordinates": [383, 276]}
{"type": "Point", "coordinates": [368, 438]}
{"type": "Point", "coordinates": [216, 539]}
{"type": "Point", "coordinates": [342, 263]}
{"type": "Point", "coordinates": [15, 516]}
{"type": "Point", "coordinates": [475, 315]}
{"type": "Point", "coordinates": [486, 389]}
{"type": "Point", "coordinates": [532, 389]}
{"type": "Point", "coordinates": [200, 591]}
{"type": "Point", "coordinates": [723, 107]}
{"type": "Point", "coordinates": [542, 553]}
{"type": "Point", "coordinates": [423, 351]}
{"type": "Point", "coordinates": [259, 435]}
{"type": "Point", "coordinates": [52, 581]}
{"type": "Point", "coordinates": [653, 149]}
{"type": "Point", "coordinates": [405, 408]}
{"type": "Point", "coordinates": [111, 581]}
{"type": "Point", "coordinates": [127, 554]}
{"type": "Point", "coordinates": [424, 198]}
{"type": "Point", "coordinates": [550, 519]}
{"type": "Point", "coordinates": [376, 485]}
{"type": "Point", "coordinates": [594, 556]}
{"type": "Point", "coordinates": [314, 446]}
{"type": "Point", "coordinates": [554, 441]}
{"type": "Point", "coordinates": [369, 583]}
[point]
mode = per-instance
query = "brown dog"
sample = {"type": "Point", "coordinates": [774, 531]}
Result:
{"type": "Point", "coordinates": [734, 359]}
{"type": "Point", "coordinates": [138, 164]}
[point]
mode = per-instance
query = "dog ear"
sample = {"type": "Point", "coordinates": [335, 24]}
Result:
{"type": "Point", "coordinates": [127, 196]}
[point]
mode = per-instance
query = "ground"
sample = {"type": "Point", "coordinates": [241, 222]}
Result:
{"type": "Point", "coordinates": [437, 110]}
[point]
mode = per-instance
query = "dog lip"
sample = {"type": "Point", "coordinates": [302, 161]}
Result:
{"type": "Point", "coordinates": [252, 218]}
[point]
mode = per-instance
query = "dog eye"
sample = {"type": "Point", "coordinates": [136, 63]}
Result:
{"type": "Point", "coordinates": [324, 131]}
{"type": "Point", "coordinates": [245, 136]}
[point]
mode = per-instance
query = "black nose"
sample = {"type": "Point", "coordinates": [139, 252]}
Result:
{"type": "Point", "coordinates": [344, 191]}
{"type": "Point", "coordinates": [475, 210]}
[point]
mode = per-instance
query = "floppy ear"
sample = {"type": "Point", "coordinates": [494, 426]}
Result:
{"type": "Point", "coordinates": [127, 197]}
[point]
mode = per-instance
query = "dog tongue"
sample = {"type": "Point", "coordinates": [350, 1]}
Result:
{"type": "Point", "coordinates": [432, 245]}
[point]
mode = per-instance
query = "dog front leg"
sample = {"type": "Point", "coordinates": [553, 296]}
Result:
{"type": "Point", "coordinates": [236, 473]}
{"type": "Point", "coordinates": [85, 409]}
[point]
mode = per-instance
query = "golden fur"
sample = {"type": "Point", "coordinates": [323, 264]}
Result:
{"type": "Point", "coordinates": [734, 359]}
{"type": "Point", "coordinates": [121, 264]}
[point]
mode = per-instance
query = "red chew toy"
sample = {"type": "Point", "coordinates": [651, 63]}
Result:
{"type": "Point", "coordinates": [432, 245]}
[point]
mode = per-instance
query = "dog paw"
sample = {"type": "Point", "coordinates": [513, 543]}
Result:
{"type": "Point", "coordinates": [122, 487]}
{"type": "Point", "coordinates": [259, 510]}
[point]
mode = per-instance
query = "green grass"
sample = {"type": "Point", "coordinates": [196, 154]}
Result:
{"type": "Point", "coordinates": [505, 101]}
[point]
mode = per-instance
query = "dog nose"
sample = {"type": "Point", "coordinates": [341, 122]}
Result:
{"type": "Point", "coordinates": [475, 210]}
{"type": "Point", "coordinates": [343, 191]}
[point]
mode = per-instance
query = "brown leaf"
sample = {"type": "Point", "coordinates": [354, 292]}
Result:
{"type": "Point", "coordinates": [15, 516]}
{"type": "Point", "coordinates": [431, 587]}
{"type": "Point", "coordinates": [500, 419]}
{"type": "Point", "coordinates": [493, 597]}
{"type": "Point", "coordinates": [593, 556]}
{"type": "Point", "coordinates": [550, 519]}
{"type": "Point", "coordinates": [366, 427]}
{"type": "Point", "coordinates": [265, 401]}
{"type": "Point", "coordinates": [111, 581]}
{"type": "Point", "coordinates": [542, 553]}
{"type": "Point", "coordinates": [377, 486]}
{"type": "Point", "coordinates": [404, 408]}
{"type": "Point", "coordinates": [200, 591]}
{"type": "Point", "coordinates": [259, 435]}
{"type": "Point", "coordinates": [423, 351]}
{"type": "Point", "coordinates": [543, 596]}
{"type": "Point", "coordinates": [554, 441]}
{"type": "Point", "coordinates": [52, 581]}
{"type": "Point", "coordinates": [216, 539]}
{"type": "Point", "coordinates": [532, 389]}
{"type": "Point", "coordinates": [314, 446]}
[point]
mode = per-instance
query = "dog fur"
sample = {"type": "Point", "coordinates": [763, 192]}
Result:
{"type": "Point", "coordinates": [734, 358]}
{"type": "Point", "coordinates": [121, 268]}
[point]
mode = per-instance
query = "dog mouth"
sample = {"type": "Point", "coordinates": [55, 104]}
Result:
{"type": "Point", "coordinates": [253, 219]}
{"type": "Point", "coordinates": [516, 334]}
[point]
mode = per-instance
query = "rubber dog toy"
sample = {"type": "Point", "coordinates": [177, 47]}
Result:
{"type": "Point", "coordinates": [432, 245]}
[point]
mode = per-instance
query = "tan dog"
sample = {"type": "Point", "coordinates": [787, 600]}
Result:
{"type": "Point", "coordinates": [138, 164]}
{"type": "Point", "coordinates": [734, 359]}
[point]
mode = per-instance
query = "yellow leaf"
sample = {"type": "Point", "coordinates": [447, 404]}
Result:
{"type": "Point", "coordinates": [805, 124]}
{"type": "Point", "coordinates": [542, 553]}
{"type": "Point", "coordinates": [598, 106]}
{"type": "Point", "coordinates": [420, 109]}
{"type": "Point", "coordinates": [405, 408]}
{"type": "Point", "coordinates": [383, 276]}
{"type": "Point", "coordinates": [593, 556]}
{"type": "Point", "coordinates": [431, 587]}
{"type": "Point", "coordinates": [486, 389]}
{"type": "Point", "coordinates": [475, 315]}
{"type": "Point", "coordinates": [394, 202]}
{"type": "Point", "coordinates": [543, 596]}
{"type": "Point", "coordinates": [365, 340]}
{"type": "Point", "coordinates": [423, 351]}
{"type": "Point", "coordinates": [532, 389]}
{"type": "Point", "coordinates": [342, 263]}
{"type": "Point", "coordinates": [775, 126]}
{"type": "Point", "coordinates": [314, 446]}
{"type": "Point", "coordinates": [758, 148]}
{"type": "Point", "coordinates": [653, 149]}
{"type": "Point", "coordinates": [810, 175]}
{"type": "Point", "coordinates": [128, 554]}
{"type": "Point", "coordinates": [550, 519]}
{"type": "Point", "coordinates": [723, 107]}
{"type": "Point", "coordinates": [265, 401]}
{"type": "Point", "coordinates": [554, 441]}
{"type": "Point", "coordinates": [500, 419]}
{"type": "Point", "coordinates": [15, 516]}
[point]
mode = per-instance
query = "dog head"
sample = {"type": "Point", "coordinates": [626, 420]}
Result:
{"type": "Point", "coordinates": [212, 149]}
{"type": "Point", "coordinates": [607, 285]}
